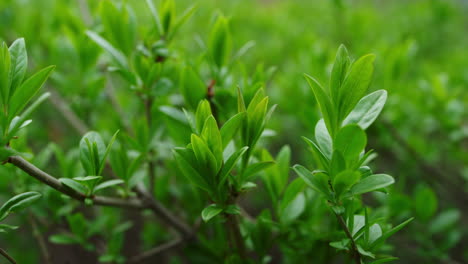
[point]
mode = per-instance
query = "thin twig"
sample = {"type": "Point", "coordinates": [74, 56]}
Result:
{"type": "Point", "coordinates": [354, 250]}
{"type": "Point", "coordinates": [156, 251]}
{"type": "Point", "coordinates": [40, 240]}
{"type": "Point", "coordinates": [5, 254]}
{"type": "Point", "coordinates": [67, 113]}
{"type": "Point", "coordinates": [163, 213]}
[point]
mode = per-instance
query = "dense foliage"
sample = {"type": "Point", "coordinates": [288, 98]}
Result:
{"type": "Point", "coordinates": [233, 132]}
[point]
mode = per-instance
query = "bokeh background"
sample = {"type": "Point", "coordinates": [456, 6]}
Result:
{"type": "Point", "coordinates": [421, 48]}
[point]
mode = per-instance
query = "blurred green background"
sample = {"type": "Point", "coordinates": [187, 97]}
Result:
{"type": "Point", "coordinates": [422, 61]}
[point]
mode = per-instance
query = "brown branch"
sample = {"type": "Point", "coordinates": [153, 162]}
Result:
{"type": "Point", "coordinates": [57, 185]}
{"type": "Point", "coordinates": [5, 254]}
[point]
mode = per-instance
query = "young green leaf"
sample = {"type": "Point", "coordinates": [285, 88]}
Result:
{"type": "Point", "coordinates": [389, 233]}
{"type": "Point", "coordinates": [324, 103]}
{"type": "Point", "coordinates": [355, 85]}
{"type": "Point", "coordinates": [204, 156]}
{"type": "Point", "coordinates": [27, 90]}
{"type": "Point", "coordinates": [367, 109]}
{"type": "Point", "coordinates": [372, 183]}
{"type": "Point", "coordinates": [212, 137]}
{"type": "Point", "coordinates": [185, 160]}
{"type": "Point", "coordinates": [210, 212]}
{"type": "Point", "coordinates": [108, 184]}
{"type": "Point", "coordinates": [19, 64]}
{"type": "Point", "coordinates": [18, 202]}
{"type": "Point", "coordinates": [256, 168]}
{"type": "Point", "coordinates": [339, 70]}
{"type": "Point", "coordinates": [5, 64]}
{"type": "Point", "coordinates": [344, 180]}
{"type": "Point", "coordinates": [116, 54]}
{"type": "Point", "coordinates": [229, 165]}
{"type": "Point", "coordinates": [103, 158]}
{"type": "Point", "coordinates": [323, 138]}
{"type": "Point", "coordinates": [202, 113]}
{"type": "Point", "coordinates": [229, 129]}
{"type": "Point", "coordinates": [220, 42]}
{"type": "Point", "coordinates": [192, 87]}
{"type": "Point", "coordinates": [74, 185]}
{"type": "Point", "coordinates": [350, 141]}
{"type": "Point", "coordinates": [317, 181]}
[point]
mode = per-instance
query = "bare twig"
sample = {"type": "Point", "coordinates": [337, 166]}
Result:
{"type": "Point", "coordinates": [40, 240]}
{"type": "Point", "coordinates": [163, 213]}
{"type": "Point", "coordinates": [5, 254]}
{"type": "Point", "coordinates": [156, 251]}
{"type": "Point", "coordinates": [67, 113]}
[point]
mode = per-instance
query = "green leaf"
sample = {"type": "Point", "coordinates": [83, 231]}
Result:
{"type": "Point", "coordinates": [27, 90]}
{"type": "Point", "coordinates": [219, 44]}
{"type": "Point", "coordinates": [375, 232]}
{"type": "Point", "coordinates": [355, 85]}
{"type": "Point", "coordinates": [372, 183]}
{"type": "Point", "coordinates": [293, 209]}
{"type": "Point", "coordinates": [324, 103]}
{"type": "Point", "coordinates": [256, 121]}
{"type": "Point", "coordinates": [315, 149]}
{"type": "Point", "coordinates": [291, 206]}
{"type": "Point", "coordinates": [425, 203]}
{"type": "Point", "coordinates": [19, 64]}
{"type": "Point", "coordinates": [229, 165]}
{"type": "Point", "coordinates": [185, 160]}
{"type": "Point", "coordinates": [339, 70]}
{"type": "Point", "coordinates": [6, 228]}
{"type": "Point", "coordinates": [64, 239]}
{"type": "Point", "coordinates": [18, 202]}
{"type": "Point", "coordinates": [19, 122]}
{"type": "Point", "coordinates": [108, 184]}
{"type": "Point", "coordinates": [204, 155]}
{"type": "Point", "coordinates": [337, 164]}
{"type": "Point", "coordinates": [156, 18]}
{"type": "Point", "coordinates": [389, 233]}
{"type": "Point", "coordinates": [444, 221]}
{"type": "Point", "coordinates": [367, 109]}
{"type": "Point", "coordinates": [116, 54]}
{"type": "Point", "coordinates": [256, 168]}
{"type": "Point", "coordinates": [344, 180]}
{"type": "Point", "coordinates": [323, 139]}
{"type": "Point", "coordinates": [350, 141]}
{"type": "Point", "coordinates": [192, 88]}
{"type": "Point", "coordinates": [210, 212]}
{"type": "Point", "coordinates": [181, 20]}
{"type": "Point", "coordinates": [202, 113]}
{"type": "Point", "coordinates": [92, 150]}
{"type": "Point", "coordinates": [74, 185]}
{"type": "Point", "coordinates": [317, 181]}
{"type": "Point", "coordinates": [103, 158]}
{"type": "Point", "coordinates": [5, 65]}
{"type": "Point", "coordinates": [212, 137]}
{"type": "Point", "coordinates": [229, 129]}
